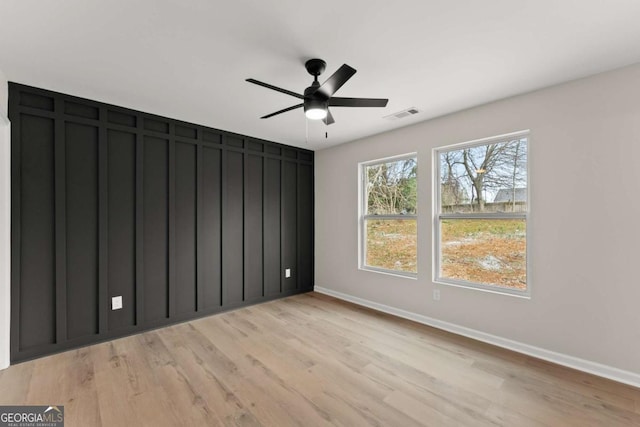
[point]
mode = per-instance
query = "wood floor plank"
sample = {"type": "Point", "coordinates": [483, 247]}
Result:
{"type": "Point", "coordinates": [504, 416]}
{"type": "Point", "coordinates": [527, 375]}
{"type": "Point", "coordinates": [312, 360]}
{"type": "Point", "coordinates": [464, 409]}
{"type": "Point", "coordinates": [263, 392]}
{"type": "Point", "coordinates": [153, 407]}
{"type": "Point", "coordinates": [14, 383]}
{"type": "Point", "coordinates": [591, 381]}
{"type": "Point", "coordinates": [418, 411]}
{"type": "Point", "coordinates": [78, 389]}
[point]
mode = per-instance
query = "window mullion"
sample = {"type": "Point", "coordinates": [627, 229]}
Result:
{"type": "Point", "coordinates": [506, 215]}
{"type": "Point", "coordinates": [390, 217]}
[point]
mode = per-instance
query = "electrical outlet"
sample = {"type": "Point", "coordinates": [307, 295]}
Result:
{"type": "Point", "coordinates": [116, 303]}
{"type": "Point", "coordinates": [287, 273]}
{"type": "Point", "coordinates": [436, 294]}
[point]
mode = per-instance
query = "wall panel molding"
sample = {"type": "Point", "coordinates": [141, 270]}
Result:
{"type": "Point", "coordinates": [179, 219]}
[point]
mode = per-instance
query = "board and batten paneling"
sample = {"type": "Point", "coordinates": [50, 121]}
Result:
{"type": "Point", "coordinates": [81, 161]}
{"type": "Point", "coordinates": [272, 226]}
{"type": "Point", "coordinates": [179, 219]}
{"type": "Point", "coordinates": [155, 224]}
{"type": "Point", "coordinates": [289, 222]}
{"type": "Point", "coordinates": [185, 228]}
{"type": "Point", "coordinates": [121, 225]}
{"type": "Point", "coordinates": [33, 176]}
{"type": "Point", "coordinates": [210, 233]}
{"type": "Point", "coordinates": [253, 226]}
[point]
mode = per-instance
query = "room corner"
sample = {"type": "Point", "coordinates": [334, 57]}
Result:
{"type": "Point", "coordinates": [5, 223]}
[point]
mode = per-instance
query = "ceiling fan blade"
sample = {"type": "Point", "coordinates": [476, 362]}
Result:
{"type": "Point", "coordinates": [329, 119]}
{"type": "Point", "coordinates": [358, 102]}
{"type": "Point", "coordinates": [282, 111]}
{"type": "Point", "coordinates": [335, 82]}
{"type": "Point", "coordinates": [268, 86]}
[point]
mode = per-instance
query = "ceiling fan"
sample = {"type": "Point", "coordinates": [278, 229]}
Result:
{"type": "Point", "coordinates": [318, 97]}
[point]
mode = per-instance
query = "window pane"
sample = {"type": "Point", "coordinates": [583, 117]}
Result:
{"type": "Point", "coordinates": [392, 244]}
{"type": "Point", "coordinates": [485, 178]}
{"type": "Point", "coordinates": [485, 251]}
{"type": "Point", "coordinates": [391, 188]}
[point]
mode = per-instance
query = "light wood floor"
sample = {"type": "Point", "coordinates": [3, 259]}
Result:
{"type": "Point", "coordinates": [310, 360]}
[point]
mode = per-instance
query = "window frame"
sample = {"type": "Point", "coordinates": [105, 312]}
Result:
{"type": "Point", "coordinates": [438, 216]}
{"type": "Point", "coordinates": [363, 217]}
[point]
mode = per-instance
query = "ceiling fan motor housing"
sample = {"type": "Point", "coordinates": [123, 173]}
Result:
{"type": "Point", "coordinates": [315, 103]}
{"type": "Point", "coordinates": [312, 99]}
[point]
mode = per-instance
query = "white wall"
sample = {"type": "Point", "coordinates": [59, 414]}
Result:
{"type": "Point", "coordinates": [584, 227]}
{"type": "Point", "coordinates": [5, 222]}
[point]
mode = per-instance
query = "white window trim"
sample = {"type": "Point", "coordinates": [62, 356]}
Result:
{"type": "Point", "coordinates": [362, 203]}
{"type": "Point", "coordinates": [437, 216]}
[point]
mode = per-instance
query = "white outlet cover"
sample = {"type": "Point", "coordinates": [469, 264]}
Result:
{"type": "Point", "coordinates": [287, 272]}
{"type": "Point", "coordinates": [116, 303]}
{"type": "Point", "coordinates": [436, 294]}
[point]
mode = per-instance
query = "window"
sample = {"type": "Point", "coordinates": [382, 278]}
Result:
{"type": "Point", "coordinates": [481, 214]}
{"type": "Point", "coordinates": [388, 221]}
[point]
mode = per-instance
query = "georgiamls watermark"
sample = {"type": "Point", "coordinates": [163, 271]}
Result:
{"type": "Point", "coordinates": [32, 416]}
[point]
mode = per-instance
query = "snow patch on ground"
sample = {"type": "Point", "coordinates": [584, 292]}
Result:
{"type": "Point", "coordinates": [490, 263]}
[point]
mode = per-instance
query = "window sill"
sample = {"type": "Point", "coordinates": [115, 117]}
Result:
{"type": "Point", "coordinates": [489, 289]}
{"type": "Point", "coordinates": [413, 276]}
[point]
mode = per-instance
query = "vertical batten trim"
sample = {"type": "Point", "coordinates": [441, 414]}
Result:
{"type": "Point", "coordinates": [244, 204]}
{"type": "Point", "coordinates": [199, 303]}
{"type": "Point", "coordinates": [60, 222]}
{"type": "Point", "coordinates": [103, 223]}
{"type": "Point", "coordinates": [139, 226]}
{"type": "Point", "coordinates": [172, 221]}
{"type": "Point", "coordinates": [264, 171]}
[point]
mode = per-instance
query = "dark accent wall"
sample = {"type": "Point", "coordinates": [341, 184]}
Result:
{"type": "Point", "coordinates": [180, 220]}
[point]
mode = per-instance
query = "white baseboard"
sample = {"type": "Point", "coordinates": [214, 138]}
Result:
{"type": "Point", "coordinates": [594, 368]}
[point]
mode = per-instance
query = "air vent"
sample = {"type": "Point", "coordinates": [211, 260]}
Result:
{"type": "Point", "coordinates": [401, 114]}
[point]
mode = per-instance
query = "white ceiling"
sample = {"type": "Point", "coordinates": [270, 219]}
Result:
{"type": "Point", "coordinates": [188, 59]}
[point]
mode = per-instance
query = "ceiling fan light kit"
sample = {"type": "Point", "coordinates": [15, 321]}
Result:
{"type": "Point", "coordinates": [315, 109]}
{"type": "Point", "coordinates": [318, 97]}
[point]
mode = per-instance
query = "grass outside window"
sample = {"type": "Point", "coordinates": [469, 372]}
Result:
{"type": "Point", "coordinates": [393, 244]}
{"type": "Point", "coordinates": [489, 252]}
